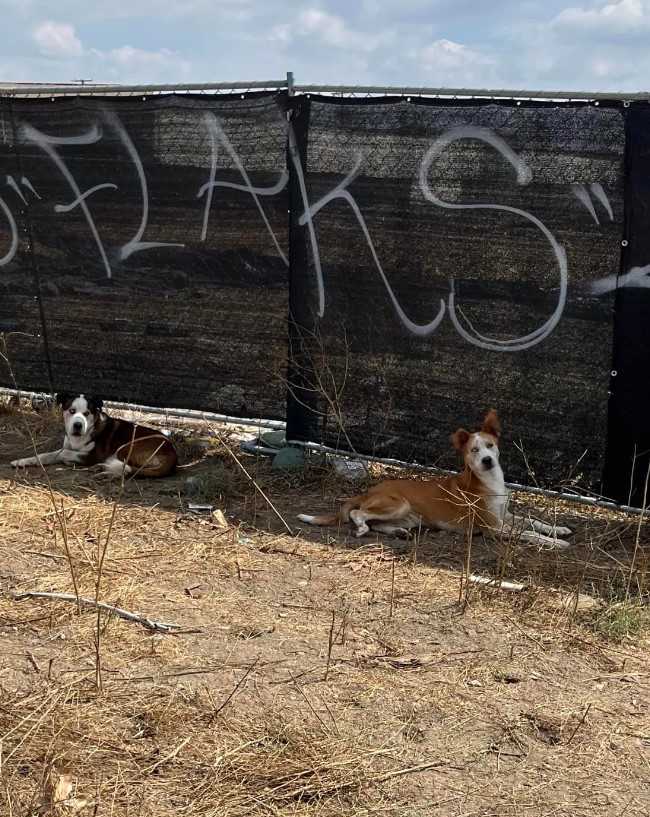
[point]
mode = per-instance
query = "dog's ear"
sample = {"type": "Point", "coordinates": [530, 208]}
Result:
{"type": "Point", "coordinates": [97, 402]}
{"type": "Point", "coordinates": [459, 438]}
{"type": "Point", "coordinates": [491, 424]}
{"type": "Point", "coordinates": [61, 397]}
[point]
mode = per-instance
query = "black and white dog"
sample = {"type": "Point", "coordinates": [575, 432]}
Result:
{"type": "Point", "coordinates": [94, 438]}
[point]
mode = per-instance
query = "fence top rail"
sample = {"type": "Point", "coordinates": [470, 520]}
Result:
{"type": "Point", "coordinates": [471, 93]}
{"type": "Point", "coordinates": [89, 89]}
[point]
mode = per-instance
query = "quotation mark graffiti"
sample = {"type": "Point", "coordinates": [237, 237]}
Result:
{"type": "Point", "coordinates": [11, 221]}
{"type": "Point", "coordinates": [582, 194]}
{"type": "Point", "coordinates": [11, 182]}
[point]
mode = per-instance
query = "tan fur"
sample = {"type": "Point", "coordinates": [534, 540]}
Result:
{"type": "Point", "coordinates": [473, 501]}
{"type": "Point", "coordinates": [456, 503]}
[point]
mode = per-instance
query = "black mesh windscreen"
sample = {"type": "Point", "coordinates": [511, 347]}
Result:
{"type": "Point", "coordinates": [457, 249]}
{"type": "Point", "coordinates": [628, 444]}
{"type": "Point", "coordinates": [152, 233]}
{"type": "Point", "coordinates": [422, 260]}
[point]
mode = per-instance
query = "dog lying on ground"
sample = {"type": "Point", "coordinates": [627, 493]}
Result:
{"type": "Point", "coordinates": [117, 446]}
{"type": "Point", "coordinates": [474, 501]}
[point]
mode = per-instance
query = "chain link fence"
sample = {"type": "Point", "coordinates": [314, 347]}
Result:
{"type": "Point", "coordinates": [422, 256]}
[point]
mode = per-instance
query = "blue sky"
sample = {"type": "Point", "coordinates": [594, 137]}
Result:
{"type": "Point", "coordinates": [590, 45]}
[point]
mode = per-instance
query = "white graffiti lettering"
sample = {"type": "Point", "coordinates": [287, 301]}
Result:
{"type": "Point", "coordinates": [217, 137]}
{"type": "Point", "coordinates": [340, 192]}
{"type": "Point", "coordinates": [48, 144]}
{"type": "Point", "coordinates": [136, 244]}
{"type": "Point", "coordinates": [66, 208]}
{"type": "Point", "coordinates": [637, 277]}
{"type": "Point", "coordinates": [13, 230]}
{"type": "Point", "coordinates": [591, 196]}
{"type": "Point", "coordinates": [524, 176]}
{"type": "Point", "coordinates": [599, 193]}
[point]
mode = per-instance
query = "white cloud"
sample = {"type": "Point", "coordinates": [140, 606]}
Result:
{"type": "Point", "coordinates": [530, 44]}
{"type": "Point", "coordinates": [143, 66]}
{"type": "Point", "coordinates": [452, 63]}
{"type": "Point", "coordinates": [66, 55]}
{"type": "Point", "coordinates": [320, 26]}
{"type": "Point", "coordinates": [173, 10]}
{"type": "Point", "coordinates": [127, 54]}
{"type": "Point", "coordinates": [447, 54]}
{"type": "Point", "coordinates": [331, 29]}
{"type": "Point", "coordinates": [57, 40]}
{"type": "Point", "coordinates": [626, 16]}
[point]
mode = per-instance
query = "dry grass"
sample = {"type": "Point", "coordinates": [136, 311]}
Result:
{"type": "Point", "coordinates": [311, 675]}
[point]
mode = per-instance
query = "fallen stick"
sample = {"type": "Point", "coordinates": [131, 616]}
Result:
{"type": "Point", "coordinates": [118, 611]}
{"type": "Point", "coordinates": [514, 586]}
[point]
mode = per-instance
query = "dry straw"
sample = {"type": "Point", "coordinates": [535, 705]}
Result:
{"type": "Point", "coordinates": [312, 674]}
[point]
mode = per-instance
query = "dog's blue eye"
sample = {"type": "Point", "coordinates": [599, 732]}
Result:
{"type": "Point", "coordinates": [86, 414]}
{"type": "Point", "coordinates": [71, 411]}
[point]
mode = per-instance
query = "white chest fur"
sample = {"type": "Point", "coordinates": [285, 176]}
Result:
{"type": "Point", "coordinates": [496, 496]}
{"type": "Point", "coordinates": [78, 443]}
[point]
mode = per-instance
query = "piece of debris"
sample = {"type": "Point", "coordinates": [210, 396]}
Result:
{"type": "Point", "coordinates": [219, 519]}
{"type": "Point", "coordinates": [401, 661]}
{"type": "Point", "coordinates": [247, 633]}
{"type": "Point", "coordinates": [268, 443]}
{"type": "Point", "coordinates": [289, 457]}
{"type": "Point", "coordinates": [110, 608]}
{"type": "Point", "coordinates": [515, 587]}
{"type": "Point", "coordinates": [193, 507]}
{"type": "Point", "coordinates": [273, 439]}
{"type": "Point", "coordinates": [350, 469]}
{"type": "Point", "coordinates": [578, 603]}
{"type": "Point", "coordinates": [43, 402]}
{"type": "Point", "coordinates": [56, 798]}
{"type": "Point", "coordinates": [195, 484]}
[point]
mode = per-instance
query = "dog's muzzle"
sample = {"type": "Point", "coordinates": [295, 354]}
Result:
{"type": "Point", "coordinates": [488, 463]}
{"type": "Point", "coordinates": [79, 425]}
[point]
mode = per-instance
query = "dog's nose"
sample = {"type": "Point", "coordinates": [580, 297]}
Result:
{"type": "Point", "coordinates": [77, 425]}
{"type": "Point", "coordinates": [487, 461]}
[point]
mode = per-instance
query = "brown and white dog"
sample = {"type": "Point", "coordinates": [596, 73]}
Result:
{"type": "Point", "coordinates": [118, 446]}
{"type": "Point", "coordinates": [476, 500]}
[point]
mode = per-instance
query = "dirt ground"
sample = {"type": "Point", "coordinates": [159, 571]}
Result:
{"type": "Point", "coordinates": [312, 673]}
